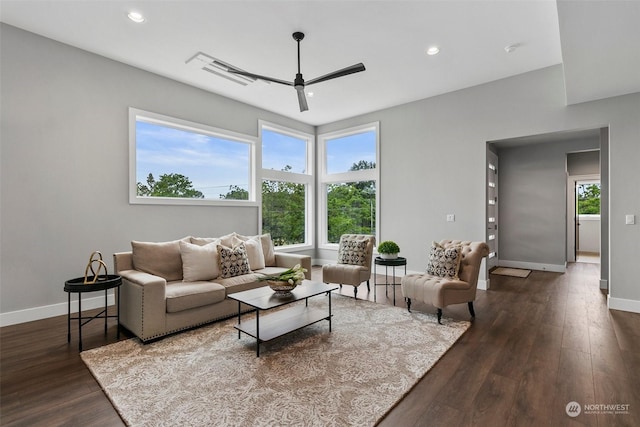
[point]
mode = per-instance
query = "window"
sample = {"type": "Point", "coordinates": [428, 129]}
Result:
{"type": "Point", "coordinates": [349, 183]}
{"type": "Point", "coordinates": [588, 198]}
{"type": "Point", "coordinates": [173, 161]}
{"type": "Point", "coordinates": [287, 185]}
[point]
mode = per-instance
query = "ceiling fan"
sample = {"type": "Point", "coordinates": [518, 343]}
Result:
{"type": "Point", "coordinates": [299, 82]}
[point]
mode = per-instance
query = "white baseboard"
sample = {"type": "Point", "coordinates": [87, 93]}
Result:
{"type": "Point", "coordinates": [622, 304]}
{"type": "Point", "coordinates": [557, 268]}
{"type": "Point", "coordinates": [483, 285]}
{"type": "Point", "coordinates": [604, 284]}
{"type": "Point", "coordinates": [53, 310]}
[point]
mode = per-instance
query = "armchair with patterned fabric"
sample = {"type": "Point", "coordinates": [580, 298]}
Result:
{"type": "Point", "coordinates": [355, 253]}
{"type": "Point", "coordinates": [451, 276]}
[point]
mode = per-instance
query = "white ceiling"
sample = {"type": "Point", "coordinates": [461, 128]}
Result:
{"type": "Point", "coordinates": [389, 37]}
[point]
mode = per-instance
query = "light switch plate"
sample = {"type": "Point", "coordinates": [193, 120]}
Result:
{"type": "Point", "coordinates": [630, 219]}
{"type": "Point", "coordinates": [451, 217]}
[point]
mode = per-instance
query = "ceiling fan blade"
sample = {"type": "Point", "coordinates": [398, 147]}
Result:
{"type": "Point", "coordinates": [302, 99]}
{"type": "Point", "coordinates": [343, 72]}
{"type": "Point", "coordinates": [257, 76]}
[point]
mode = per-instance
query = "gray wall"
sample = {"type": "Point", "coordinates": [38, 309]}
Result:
{"type": "Point", "coordinates": [533, 201]}
{"type": "Point", "coordinates": [64, 164]}
{"type": "Point", "coordinates": [584, 163]}
{"type": "Point", "coordinates": [433, 163]}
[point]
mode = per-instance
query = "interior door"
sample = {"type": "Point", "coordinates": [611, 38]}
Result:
{"type": "Point", "coordinates": [492, 209]}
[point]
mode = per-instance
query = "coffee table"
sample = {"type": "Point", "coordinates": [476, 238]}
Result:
{"type": "Point", "coordinates": [266, 327]}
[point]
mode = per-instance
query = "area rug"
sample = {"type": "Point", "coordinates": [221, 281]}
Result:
{"type": "Point", "coordinates": [351, 376]}
{"type": "Point", "coordinates": [513, 272]}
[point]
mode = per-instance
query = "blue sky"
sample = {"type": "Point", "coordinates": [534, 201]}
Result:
{"type": "Point", "coordinates": [212, 164]}
{"type": "Point", "coordinates": [343, 152]}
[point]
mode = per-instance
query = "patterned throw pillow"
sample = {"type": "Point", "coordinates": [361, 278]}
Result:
{"type": "Point", "coordinates": [353, 252]}
{"type": "Point", "coordinates": [444, 262]}
{"type": "Point", "coordinates": [233, 262]}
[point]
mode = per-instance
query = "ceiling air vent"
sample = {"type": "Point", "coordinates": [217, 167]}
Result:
{"type": "Point", "coordinates": [220, 68]}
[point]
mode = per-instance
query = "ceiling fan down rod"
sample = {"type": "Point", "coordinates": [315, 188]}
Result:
{"type": "Point", "coordinates": [299, 81]}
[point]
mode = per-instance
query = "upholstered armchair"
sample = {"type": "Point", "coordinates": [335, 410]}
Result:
{"type": "Point", "coordinates": [449, 279]}
{"type": "Point", "coordinates": [355, 253]}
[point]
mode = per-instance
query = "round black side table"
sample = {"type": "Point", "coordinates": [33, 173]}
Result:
{"type": "Point", "coordinates": [77, 286]}
{"type": "Point", "coordinates": [394, 262]}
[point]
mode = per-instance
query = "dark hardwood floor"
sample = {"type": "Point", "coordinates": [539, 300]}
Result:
{"type": "Point", "coordinates": [536, 345]}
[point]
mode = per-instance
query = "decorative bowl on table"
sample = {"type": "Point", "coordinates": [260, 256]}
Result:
{"type": "Point", "coordinates": [281, 287]}
{"type": "Point", "coordinates": [285, 282]}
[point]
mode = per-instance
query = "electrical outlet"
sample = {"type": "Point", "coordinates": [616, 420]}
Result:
{"type": "Point", "coordinates": [630, 219]}
{"type": "Point", "coordinates": [451, 217]}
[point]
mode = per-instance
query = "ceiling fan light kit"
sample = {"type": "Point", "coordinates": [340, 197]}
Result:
{"type": "Point", "coordinates": [299, 83]}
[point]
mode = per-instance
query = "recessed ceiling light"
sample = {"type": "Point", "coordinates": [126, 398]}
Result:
{"type": "Point", "coordinates": [136, 17]}
{"type": "Point", "coordinates": [433, 50]}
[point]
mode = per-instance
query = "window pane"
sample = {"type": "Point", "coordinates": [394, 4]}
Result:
{"type": "Point", "coordinates": [588, 199]}
{"type": "Point", "coordinates": [283, 212]}
{"type": "Point", "coordinates": [181, 163]}
{"type": "Point", "coordinates": [283, 152]}
{"type": "Point", "coordinates": [353, 152]}
{"type": "Point", "coordinates": [351, 208]}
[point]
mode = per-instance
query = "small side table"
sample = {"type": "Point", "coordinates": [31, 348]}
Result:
{"type": "Point", "coordinates": [393, 263]}
{"type": "Point", "coordinates": [77, 286]}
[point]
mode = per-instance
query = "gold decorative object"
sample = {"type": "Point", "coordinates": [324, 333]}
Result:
{"type": "Point", "coordinates": [96, 273]}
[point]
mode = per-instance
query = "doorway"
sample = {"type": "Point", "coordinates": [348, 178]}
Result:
{"type": "Point", "coordinates": [587, 221]}
{"type": "Point", "coordinates": [584, 219]}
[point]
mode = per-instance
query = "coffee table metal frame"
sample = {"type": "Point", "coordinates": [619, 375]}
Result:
{"type": "Point", "coordinates": [266, 327]}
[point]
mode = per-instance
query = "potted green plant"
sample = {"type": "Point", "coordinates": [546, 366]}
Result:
{"type": "Point", "coordinates": [388, 249]}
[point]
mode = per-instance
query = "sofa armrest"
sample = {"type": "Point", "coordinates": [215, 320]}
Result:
{"type": "Point", "coordinates": [122, 261]}
{"type": "Point", "coordinates": [288, 260]}
{"type": "Point", "coordinates": [143, 305]}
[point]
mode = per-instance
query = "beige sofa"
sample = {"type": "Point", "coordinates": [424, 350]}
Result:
{"type": "Point", "coordinates": [171, 286]}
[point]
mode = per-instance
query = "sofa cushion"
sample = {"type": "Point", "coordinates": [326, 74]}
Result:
{"type": "Point", "coordinates": [268, 250]}
{"type": "Point", "coordinates": [254, 250]}
{"type": "Point", "coordinates": [241, 283]}
{"type": "Point", "coordinates": [199, 262]}
{"type": "Point", "coordinates": [183, 296]}
{"type": "Point", "coordinates": [233, 261]}
{"type": "Point", "coordinates": [159, 258]}
{"type": "Point", "coordinates": [444, 262]}
{"type": "Point", "coordinates": [201, 241]}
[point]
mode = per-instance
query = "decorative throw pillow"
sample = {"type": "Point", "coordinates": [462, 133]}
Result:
{"type": "Point", "coordinates": [268, 250]}
{"type": "Point", "coordinates": [199, 262]}
{"type": "Point", "coordinates": [161, 259]}
{"type": "Point", "coordinates": [444, 262]}
{"type": "Point", "coordinates": [254, 250]}
{"type": "Point", "coordinates": [233, 262]}
{"type": "Point", "coordinates": [353, 252]}
{"type": "Point", "coordinates": [201, 241]}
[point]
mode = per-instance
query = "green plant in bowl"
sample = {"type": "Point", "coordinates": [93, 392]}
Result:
{"type": "Point", "coordinates": [388, 249]}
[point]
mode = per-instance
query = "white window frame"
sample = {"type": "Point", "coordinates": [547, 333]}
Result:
{"type": "Point", "coordinates": [150, 117]}
{"type": "Point", "coordinates": [324, 178]}
{"type": "Point", "coordinates": [306, 178]}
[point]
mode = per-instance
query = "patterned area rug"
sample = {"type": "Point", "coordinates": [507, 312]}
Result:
{"type": "Point", "coordinates": [351, 376]}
